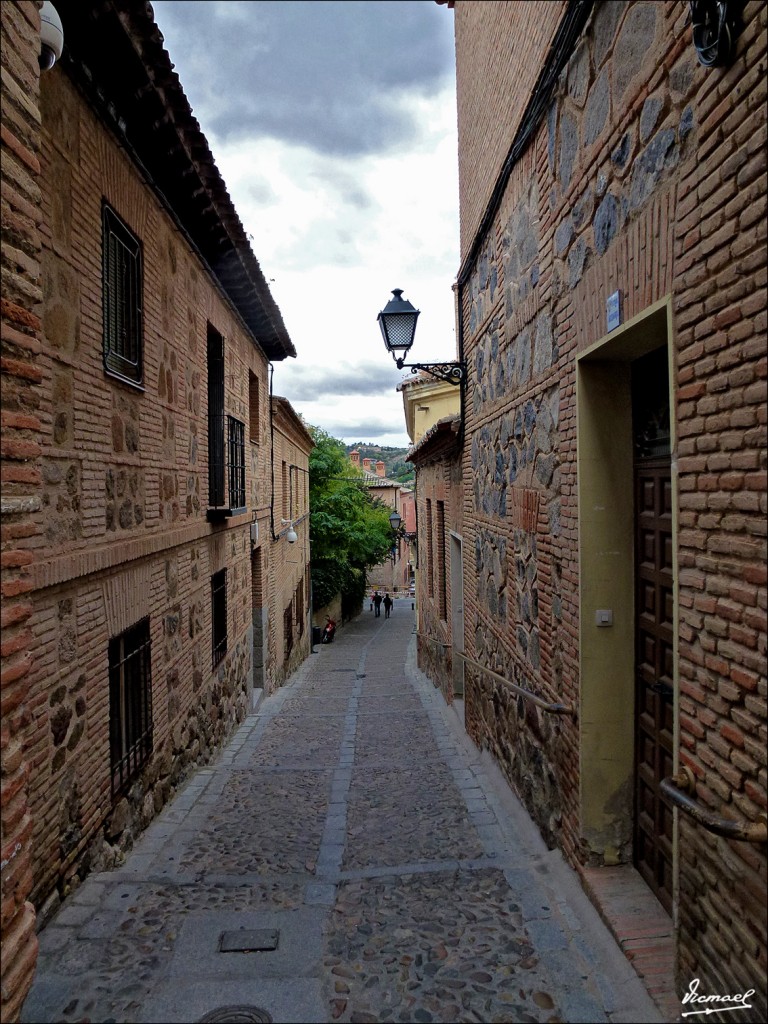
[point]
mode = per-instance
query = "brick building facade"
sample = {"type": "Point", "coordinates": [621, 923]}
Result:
{"type": "Point", "coordinates": [148, 586]}
{"type": "Point", "coordinates": [20, 466]}
{"type": "Point", "coordinates": [612, 314]}
{"type": "Point", "coordinates": [289, 626]}
{"type": "Point", "coordinates": [440, 561]}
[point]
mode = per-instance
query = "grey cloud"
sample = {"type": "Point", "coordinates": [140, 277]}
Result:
{"type": "Point", "coordinates": [320, 74]}
{"type": "Point", "coordinates": [346, 185]}
{"type": "Point", "coordinates": [260, 191]}
{"type": "Point", "coordinates": [313, 383]}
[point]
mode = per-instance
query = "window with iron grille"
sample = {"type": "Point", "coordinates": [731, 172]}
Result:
{"type": "Point", "coordinates": [130, 704]}
{"type": "Point", "coordinates": [288, 628]}
{"type": "Point", "coordinates": [298, 604]}
{"type": "Point", "coordinates": [253, 408]}
{"type": "Point", "coordinates": [226, 441]}
{"type": "Point", "coordinates": [122, 288]}
{"type": "Point", "coordinates": [216, 453]}
{"type": "Point", "coordinates": [430, 553]}
{"type": "Point", "coordinates": [236, 463]}
{"type": "Point", "coordinates": [442, 595]}
{"type": "Point", "coordinates": [219, 615]}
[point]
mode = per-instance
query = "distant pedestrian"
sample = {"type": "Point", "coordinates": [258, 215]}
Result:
{"type": "Point", "coordinates": [377, 604]}
{"type": "Point", "coordinates": [388, 602]}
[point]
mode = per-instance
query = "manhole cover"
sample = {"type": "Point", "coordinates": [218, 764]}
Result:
{"type": "Point", "coordinates": [237, 1015]}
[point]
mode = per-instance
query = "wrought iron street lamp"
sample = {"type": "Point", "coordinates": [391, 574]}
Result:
{"type": "Point", "coordinates": [398, 326]}
{"type": "Point", "coordinates": [395, 519]}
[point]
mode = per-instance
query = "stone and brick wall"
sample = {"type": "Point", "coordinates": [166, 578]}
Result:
{"type": "Point", "coordinates": [20, 254]}
{"type": "Point", "coordinates": [647, 176]}
{"type": "Point", "coordinates": [121, 531]}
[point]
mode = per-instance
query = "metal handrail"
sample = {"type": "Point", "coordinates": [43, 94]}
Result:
{"type": "Point", "coordinates": [426, 636]}
{"type": "Point", "coordinates": [552, 709]}
{"type": "Point", "coordinates": [678, 789]}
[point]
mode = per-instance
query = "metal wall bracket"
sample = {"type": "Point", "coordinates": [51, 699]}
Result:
{"type": "Point", "coordinates": [452, 373]}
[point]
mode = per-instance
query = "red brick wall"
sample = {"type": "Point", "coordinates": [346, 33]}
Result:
{"type": "Point", "coordinates": [720, 313]}
{"type": "Point", "coordinates": [648, 176]}
{"type": "Point", "coordinates": [20, 471]}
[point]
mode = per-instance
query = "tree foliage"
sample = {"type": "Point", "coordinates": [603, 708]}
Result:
{"type": "Point", "coordinates": [349, 530]}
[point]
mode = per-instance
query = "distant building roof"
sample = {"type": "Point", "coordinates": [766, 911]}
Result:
{"type": "Point", "coordinates": [440, 440]}
{"type": "Point", "coordinates": [285, 412]}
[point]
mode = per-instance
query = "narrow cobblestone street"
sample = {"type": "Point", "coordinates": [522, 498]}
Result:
{"type": "Point", "coordinates": [351, 816]}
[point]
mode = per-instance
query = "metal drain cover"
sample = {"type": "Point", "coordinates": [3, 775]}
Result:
{"type": "Point", "coordinates": [237, 1015]}
{"type": "Point", "coordinates": [249, 940]}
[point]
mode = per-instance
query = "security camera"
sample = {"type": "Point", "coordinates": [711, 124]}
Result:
{"type": "Point", "coordinates": [51, 36]}
{"type": "Point", "coordinates": [290, 536]}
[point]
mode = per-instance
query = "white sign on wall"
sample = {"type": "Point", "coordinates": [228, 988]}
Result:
{"type": "Point", "coordinates": [613, 310]}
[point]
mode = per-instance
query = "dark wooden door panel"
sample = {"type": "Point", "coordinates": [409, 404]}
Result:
{"type": "Point", "coordinates": [654, 709]}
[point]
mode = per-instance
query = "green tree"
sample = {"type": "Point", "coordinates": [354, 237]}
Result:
{"type": "Point", "coordinates": [349, 530]}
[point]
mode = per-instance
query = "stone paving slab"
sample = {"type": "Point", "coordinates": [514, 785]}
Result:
{"type": "Point", "coordinates": [196, 950]}
{"type": "Point", "coordinates": [351, 813]}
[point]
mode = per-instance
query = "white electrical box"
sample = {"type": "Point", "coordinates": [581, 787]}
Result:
{"type": "Point", "coordinates": [604, 617]}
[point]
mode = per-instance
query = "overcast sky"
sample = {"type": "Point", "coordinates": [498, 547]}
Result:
{"type": "Point", "coordinates": [333, 125]}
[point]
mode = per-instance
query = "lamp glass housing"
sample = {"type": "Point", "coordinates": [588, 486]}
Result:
{"type": "Point", "coordinates": [395, 519]}
{"type": "Point", "coordinates": [398, 323]}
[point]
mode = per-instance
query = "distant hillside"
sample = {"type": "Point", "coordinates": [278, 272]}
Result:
{"type": "Point", "coordinates": [393, 458]}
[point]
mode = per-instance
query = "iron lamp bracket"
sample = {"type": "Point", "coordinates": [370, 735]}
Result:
{"type": "Point", "coordinates": [452, 373]}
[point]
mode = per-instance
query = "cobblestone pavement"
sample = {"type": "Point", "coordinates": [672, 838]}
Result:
{"type": "Point", "coordinates": [352, 816]}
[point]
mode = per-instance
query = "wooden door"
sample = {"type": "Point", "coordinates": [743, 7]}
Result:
{"type": "Point", "coordinates": [654, 621]}
{"type": "Point", "coordinates": [654, 673]}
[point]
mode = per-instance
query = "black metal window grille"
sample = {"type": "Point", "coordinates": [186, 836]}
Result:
{"type": "Point", "coordinates": [121, 299]}
{"type": "Point", "coordinates": [253, 408]}
{"type": "Point", "coordinates": [236, 463]}
{"type": "Point", "coordinates": [442, 593]}
{"type": "Point", "coordinates": [218, 616]}
{"type": "Point", "coordinates": [130, 704]}
{"type": "Point", "coordinates": [216, 453]}
{"type": "Point", "coordinates": [288, 628]}
{"type": "Point", "coordinates": [430, 552]}
{"type": "Point", "coordinates": [298, 603]}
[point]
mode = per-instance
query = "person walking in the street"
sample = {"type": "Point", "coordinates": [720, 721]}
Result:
{"type": "Point", "coordinates": [388, 602]}
{"type": "Point", "coordinates": [377, 604]}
